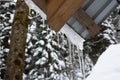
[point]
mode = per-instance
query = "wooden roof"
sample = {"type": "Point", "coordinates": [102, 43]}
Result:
{"type": "Point", "coordinates": [84, 16]}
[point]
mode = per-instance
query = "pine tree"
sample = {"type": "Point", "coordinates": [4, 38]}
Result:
{"type": "Point", "coordinates": [96, 46]}
{"type": "Point", "coordinates": [7, 10]}
{"type": "Point", "coordinates": [47, 52]}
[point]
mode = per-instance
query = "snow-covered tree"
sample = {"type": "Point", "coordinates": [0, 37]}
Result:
{"type": "Point", "coordinates": [46, 51]}
{"type": "Point", "coordinates": [6, 15]}
{"type": "Point", "coordinates": [49, 55]}
{"type": "Point", "coordinates": [96, 46]}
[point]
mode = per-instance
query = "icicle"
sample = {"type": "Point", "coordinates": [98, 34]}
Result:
{"type": "Point", "coordinates": [73, 51]}
{"type": "Point", "coordinates": [70, 57]}
{"type": "Point", "coordinates": [73, 60]}
{"type": "Point", "coordinates": [79, 56]}
{"type": "Point", "coordinates": [81, 61]}
{"type": "Point", "coordinates": [58, 39]}
{"type": "Point", "coordinates": [83, 66]}
{"type": "Point", "coordinates": [43, 21]}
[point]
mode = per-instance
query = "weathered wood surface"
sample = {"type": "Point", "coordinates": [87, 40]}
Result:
{"type": "Point", "coordinates": [16, 56]}
{"type": "Point", "coordinates": [65, 11]}
{"type": "Point", "coordinates": [86, 21]}
{"type": "Point", "coordinates": [52, 6]}
{"type": "Point", "coordinates": [41, 4]}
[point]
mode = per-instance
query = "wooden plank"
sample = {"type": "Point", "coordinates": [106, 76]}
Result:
{"type": "Point", "coordinates": [86, 21]}
{"type": "Point", "coordinates": [41, 4]}
{"type": "Point", "coordinates": [68, 8]}
{"type": "Point", "coordinates": [52, 6]}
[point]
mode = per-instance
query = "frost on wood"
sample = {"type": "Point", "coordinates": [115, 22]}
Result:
{"type": "Point", "coordinates": [15, 60]}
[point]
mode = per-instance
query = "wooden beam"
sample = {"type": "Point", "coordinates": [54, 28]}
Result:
{"type": "Point", "coordinates": [41, 4]}
{"type": "Point", "coordinates": [86, 21]}
{"type": "Point", "coordinates": [68, 8]}
{"type": "Point", "coordinates": [52, 6]}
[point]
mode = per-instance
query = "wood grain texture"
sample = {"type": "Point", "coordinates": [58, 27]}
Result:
{"type": "Point", "coordinates": [41, 4]}
{"type": "Point", "coordinates": [52, 6]}
{"type": "Point", "coordinates": [16, 56]}
{"type": "Point", "coordinates": [86, 21]}
{"type": "Point", "coordinates": [65, 11]}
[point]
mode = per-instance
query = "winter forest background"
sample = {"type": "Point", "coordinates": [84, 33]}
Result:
{"type": "Point", "coordinates": [51, 55]}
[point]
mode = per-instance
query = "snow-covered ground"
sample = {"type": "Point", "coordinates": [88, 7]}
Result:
{"type": "Point", "coordinates": [108, 65]}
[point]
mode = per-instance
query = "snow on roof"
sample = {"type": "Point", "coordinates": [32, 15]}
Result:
{"type": "Point", "coordinates": [72, 36]}
{"type": "Point", "coordinates": [32, 5]}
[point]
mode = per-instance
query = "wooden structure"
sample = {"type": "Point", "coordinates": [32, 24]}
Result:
{"type": "Point", "coordinates": [84, 16]}
{"type": "Point", "coordinates": [98, 11]}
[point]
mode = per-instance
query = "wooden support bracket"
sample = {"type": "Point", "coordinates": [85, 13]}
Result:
{"type": "Point", "coordinates": [86, 21]}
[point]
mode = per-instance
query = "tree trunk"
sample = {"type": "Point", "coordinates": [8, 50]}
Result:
{"type": "Point", "coordinates": [15, 59]}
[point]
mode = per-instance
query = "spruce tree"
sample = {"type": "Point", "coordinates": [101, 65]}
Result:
{"type": "Point", "coordinates": [47, 52]}
{"type": "Point", "coordinates": [7, 10]}
{"type": "Point", "coordinates": [94, 47]}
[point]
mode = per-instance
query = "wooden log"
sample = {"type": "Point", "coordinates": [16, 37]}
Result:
{"type": "Point", "coordinates": [16, 56]}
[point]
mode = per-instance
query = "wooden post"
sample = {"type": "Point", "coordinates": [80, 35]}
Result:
{"type": "Point", "coordinates": [16, 57]}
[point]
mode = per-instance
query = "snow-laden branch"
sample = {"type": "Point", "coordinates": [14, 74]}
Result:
{"type": "Point", "coordinates": [2, 68]}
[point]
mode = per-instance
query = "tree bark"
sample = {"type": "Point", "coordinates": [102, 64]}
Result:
{"type": "Point", "coordinates": [16, 56]}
